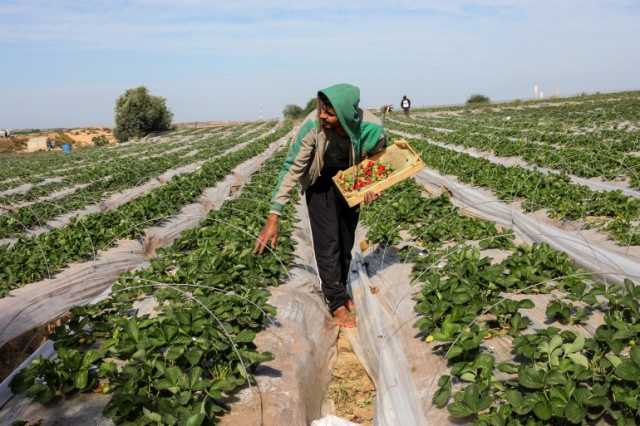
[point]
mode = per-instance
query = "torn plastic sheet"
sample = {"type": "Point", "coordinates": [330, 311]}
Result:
{"type": "Point", "coordinates": [37, 303]}
{"type": "Point", "coordinates": [595, 184]}
{"type": "Point", "coordinates": [588, 248]}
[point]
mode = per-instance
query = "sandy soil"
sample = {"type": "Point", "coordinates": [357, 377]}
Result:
{"type": "Point", "coordinates": [351, 391]}
{"type": "Point", "coordinates": [83, 136]}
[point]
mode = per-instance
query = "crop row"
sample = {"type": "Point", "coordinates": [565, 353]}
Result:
{"type": "Point", "coordinates": [612, 211]}
{"type": "Point", "coordinates": [32, 259]}
{"type": "Point", "coordinates": [568, 115]}
{"type": "Point", "coordinates": [117, 176]}
{"type": "Point", "coordinates": [105, 168]}
{"type": "Point", "coordinates": [178, 365]}
{"type": "Point", "coordinates": [39, 166]}
{"type": "Point", "coordinates": [553, 377]}
{"type": "Point", "coordinates": [99, 169]}
{"type": "Point", "coordinates": [588, 162]}
{"type": "Point", "coordinates": [619, 140]}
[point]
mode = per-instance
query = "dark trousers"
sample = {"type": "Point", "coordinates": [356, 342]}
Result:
{"type": "Point", "coordinates": [333, 226]}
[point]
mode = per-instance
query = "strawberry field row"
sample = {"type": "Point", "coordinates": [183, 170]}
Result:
{"type": "Point", "coordinates": [179, 364]}
{"type": "Point", "coordinates": [101, 169]}
{"type": "Point", "coordinates": [553, 377]}
{"type": "Point", "coordinates": [39, 166]}
{"type": "Point", "coordinates": [35, 258]}
{"type": "Point", "coordinates": [117, 176]}
{"type": "Point", "coordinates": [616, 212]}
{"type": "Point", "coordinates": [585, 162]}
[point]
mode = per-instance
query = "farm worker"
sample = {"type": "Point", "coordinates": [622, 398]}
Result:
{"type": "Point", "coordinates": [333, 137]}
{"type": "Point", "coordinates": [405, 104]}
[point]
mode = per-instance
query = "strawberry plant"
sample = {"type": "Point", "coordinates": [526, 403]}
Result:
{"type": "Point", "coordinates": [180, 365]}
{"type": "Point", "coordinates": [23, 262]}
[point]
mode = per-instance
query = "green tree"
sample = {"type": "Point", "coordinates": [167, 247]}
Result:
{"type": "Point", "coordinates": [100, 140]}
{"type": "Point", "coordinates": [311, 105]}
{"type": "Point", "coordinates": [292, 111]}
{"type": "Point", "coordinates": [478, 99]}
{"type": "Point", "coordinates": [139, 113]}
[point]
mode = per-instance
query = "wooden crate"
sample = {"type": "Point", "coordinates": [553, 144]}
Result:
{"type": "Point", "coordinates": [405, 161]}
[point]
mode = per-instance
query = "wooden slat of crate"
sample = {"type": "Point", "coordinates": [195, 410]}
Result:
{"type": "Point", "coordinates": [400, 148]}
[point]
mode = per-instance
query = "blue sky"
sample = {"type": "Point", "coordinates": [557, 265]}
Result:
{"type": "Point", "coordinates": [64, 62]}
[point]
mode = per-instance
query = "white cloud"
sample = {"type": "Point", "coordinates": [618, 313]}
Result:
{"type": "Point", "coordinates": [225, 59]}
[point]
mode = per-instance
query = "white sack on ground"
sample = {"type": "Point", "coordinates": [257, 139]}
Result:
{"type": "Point", "coordinates": [587, 248]}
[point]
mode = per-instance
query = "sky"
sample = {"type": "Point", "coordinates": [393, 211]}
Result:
{"type": "Point", "coordinates": [64, 62]}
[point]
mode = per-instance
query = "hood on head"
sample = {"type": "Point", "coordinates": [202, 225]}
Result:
{"type": "Point", "coordinates": [345, 99]}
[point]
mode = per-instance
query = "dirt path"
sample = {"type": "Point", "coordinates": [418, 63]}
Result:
{"type": "Point", "coordinates": [351, 393]}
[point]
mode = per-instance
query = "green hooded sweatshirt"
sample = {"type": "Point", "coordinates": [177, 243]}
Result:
{"type": "Point", "coordinates": [306, 155]}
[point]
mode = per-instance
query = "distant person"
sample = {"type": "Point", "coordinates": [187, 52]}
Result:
{"type": "Point", "coordinates": [405, 104]}
{"type": "Point", "coordinates": [49, 144]}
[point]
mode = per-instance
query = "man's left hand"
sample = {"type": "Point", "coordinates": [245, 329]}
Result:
{"type": "Point", "coordinates": [370, 197]}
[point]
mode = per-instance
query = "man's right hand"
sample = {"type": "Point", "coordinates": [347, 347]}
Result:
{"type": "Point", "coordinates": [268, 235]}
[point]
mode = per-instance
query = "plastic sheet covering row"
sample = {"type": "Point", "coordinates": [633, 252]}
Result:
{"type": "Point", "coordinates": [588, 248]}
{"type": "Point", "coordinates": [289, 390]}
{"type": "Point", "coordinates": [123, 197]}
{"type": "Point", "coordinates": [595, 184]}
{"type": "Point", "coordinates": [38, 303]}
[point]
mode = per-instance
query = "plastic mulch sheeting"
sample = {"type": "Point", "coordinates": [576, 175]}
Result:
{"type": "Point", "coordinates": [40, 302]}
{"type": "Point", "coordinates": [289, 390]}
{"type": "Point", "coordinates": [588, 248]}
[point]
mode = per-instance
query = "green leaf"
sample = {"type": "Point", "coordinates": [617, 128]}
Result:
{"type": "Point", "coordinates": [174, 352]}
{"type": "Point", "coordinates": [628, 370]}
{"type": "Point", "coordinates": [576, 346]}
{"type": "Point", "coordinates": [574, 412]}
{"type": "Point", "coordinates": [457, 409]}
{"type": "Point", "coordinates": [526, 304]}
{"type": "Point", "coordinates": [442, 395]}
{"type": "Point", "coordinates": [542, 410]}
{"type": "Point", "coordinates": [154, 417]}
{"type": "Point", "coordinates": [531, 378]}
{"type": "Point", "coordinates": [193, 356]}
{"type": "Point", "coordinates": [90, 357]}
{"type": "Point", "coordinates": [613, 359]}
{"type": "Point", "coordinates": [246, 336]}
{"type": "Point", "coordinates": [507, 367]}
{"type": "Point", "coordinates": [635, 355]}
{"type": "Point", "coordinates": [195, 420]}
{"type": "Point", "coordinates": [579, 359]}
{"type": "Point", "coordinates": [81, 379]}
{"type": "Point", "coordinates": [521, 406]}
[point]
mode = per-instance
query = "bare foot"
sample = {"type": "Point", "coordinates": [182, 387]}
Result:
{"type": "Point", "coordinates": [351, 307]}
{"type": "Point", "coordinates": [342, 318]}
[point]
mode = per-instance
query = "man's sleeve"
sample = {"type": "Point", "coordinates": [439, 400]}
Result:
{"type": "Point", "coordinates": [294, 166]}
{"type": "Point", "coordinates": [381, 144]}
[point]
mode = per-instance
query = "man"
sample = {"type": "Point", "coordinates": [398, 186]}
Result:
{"type": "Point", "coordinates": [335, 136]}
{"type": "Point", "coordinates": [405, 104]}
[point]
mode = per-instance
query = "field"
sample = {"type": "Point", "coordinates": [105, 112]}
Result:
{"type": "Point", "coordinates": [496, 287]}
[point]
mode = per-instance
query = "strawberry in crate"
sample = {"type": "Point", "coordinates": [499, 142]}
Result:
{"type": "Point", "coordinates": [367, 173]}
